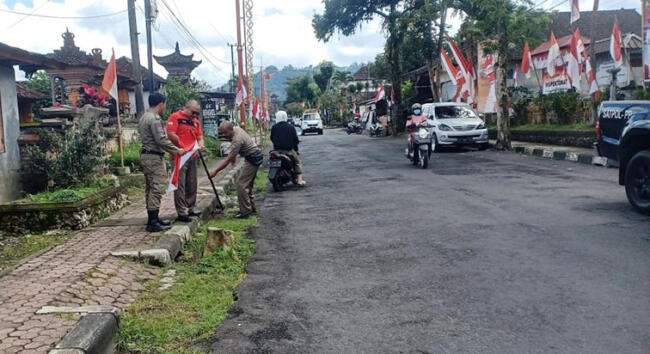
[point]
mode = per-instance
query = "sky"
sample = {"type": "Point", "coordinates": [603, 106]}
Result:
{"type": "Point", "coordinates": [283, 34]}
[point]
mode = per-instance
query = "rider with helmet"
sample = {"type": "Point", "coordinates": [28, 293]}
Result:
{"type": "Point", "coordinates": [417, 118]}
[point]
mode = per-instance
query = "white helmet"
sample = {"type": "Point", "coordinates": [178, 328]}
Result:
{"type": "Point", "coordinates": [281, 116]}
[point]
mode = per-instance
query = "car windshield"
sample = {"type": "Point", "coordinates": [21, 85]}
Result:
{"type": "Point", "coordinates": [446, 112]}
{"type": "Point", "coordinates": [311, 117]}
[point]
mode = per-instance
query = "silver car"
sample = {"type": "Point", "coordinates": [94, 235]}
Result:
{"type": "Point", "coordinates": [456, 124]}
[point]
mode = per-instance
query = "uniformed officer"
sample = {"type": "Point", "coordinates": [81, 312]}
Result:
{"type": "Point", "coordinates": [154, 145]}
{"type": "Point", "coordinates": [242, 145]}
{"type": "Point", "coordinates": [184, 130]}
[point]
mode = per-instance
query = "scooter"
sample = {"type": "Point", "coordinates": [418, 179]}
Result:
{"type": "Point", "coordinates": [354, 128]}
{"type": "Point", "coordinates": [282, 170]}
{"type": "Point", "coordinates": [419, 146]}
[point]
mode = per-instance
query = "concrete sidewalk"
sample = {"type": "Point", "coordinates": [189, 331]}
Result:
{"type": "Point", "coordinates": [77, 273]}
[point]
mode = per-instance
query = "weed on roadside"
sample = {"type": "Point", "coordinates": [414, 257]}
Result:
{"type": "Point", "coordinates": [15, 248]}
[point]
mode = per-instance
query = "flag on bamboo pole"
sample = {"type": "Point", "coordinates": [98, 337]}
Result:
{"type": "Point", "coordinates": [575, 10]}
{"type": "Point", "coordinates": [593, 85]}
{"type": "Point", "coordinates": [527, 62]}
{"type": "Point", "coordinates": [381, 94]}
{"type": "Point", "coordinates": [615, 46]}
{"type": "Point", "coordinates": [515, 75]}
{"type": "Point", "coordinates": [109, 84]}
{"type": "Point", "coordinates": [241, 93]}
{"type": "Point", "coordinates": [553, 55]}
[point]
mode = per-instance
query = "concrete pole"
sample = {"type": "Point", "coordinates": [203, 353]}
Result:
{"type": "Point", "coordinates": [592, 57]}
{"type": "Point", "coordinates": [242, 113]}
{"type": "Point", "coordinates": [147, 11]}
{"type": "Point", "coordinates": [135, 58]}
{"type": "Point", "coordinates": [232, 60]}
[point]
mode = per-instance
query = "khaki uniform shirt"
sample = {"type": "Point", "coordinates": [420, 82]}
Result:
{"type": "Point", "coordinates": [242, 143]}
{"type": "Point", "coordinates": [153, 134]}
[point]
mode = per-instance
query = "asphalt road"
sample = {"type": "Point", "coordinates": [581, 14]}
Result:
{"type": "Point", "coordinates": [485, 252]}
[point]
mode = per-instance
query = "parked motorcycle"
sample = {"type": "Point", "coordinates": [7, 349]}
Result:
{"type": "Point", "coordinates": [419, 146]}
{"type": "Point", "coordinates": [282, 170]}
{"type": "Point", "coordinates": [354, 128]}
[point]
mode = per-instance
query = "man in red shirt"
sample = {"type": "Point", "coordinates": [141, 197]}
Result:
{"type": "Point", "coordinates": [184, 130]}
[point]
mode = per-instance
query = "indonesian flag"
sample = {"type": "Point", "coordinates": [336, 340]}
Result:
{"type": "Point", "coordinates": [582, 50]}
{"type": "Point", "coordinates": [515, 76]}
{"type": "Point", "coordinates": [465, 70]}
{"type": "Point", "coordinates": [473, 86]}
{"type": "Point", "coordinates": [553, 55]}
{"type": "Point", "coordinates": [575, 10]}
{"type": "Point", "coordinates": [381, 94]}
{"type": "Point", "coordinates": [615, 46]}
{"type": "Point", "coordinates": [179, 162]}
{"type": "Point", "coordinates": [593, 85]}
{"type": "Point", "coordinates": [573, 65]}
{"type": "Point", "coordinates": [241, 93]}
{"type": "Point", "coordinates": [449, 67]}
{"type": "Point", "coordinates": [526, 61]}
{"type": "Point", "coordinates": [109, 84]}
{"type": "Point", "coordinates": [256, 109]}
{"type": "Point", "coordinates": [302, 104]}
{"type": "Point", "coordinates": [354, 107]}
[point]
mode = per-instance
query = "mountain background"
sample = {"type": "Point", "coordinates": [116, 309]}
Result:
{"type": "Point", "coordinates": [279, 77]}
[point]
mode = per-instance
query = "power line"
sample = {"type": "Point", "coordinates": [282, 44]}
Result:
{"type": "Point", "coordinates": [63, 17]}
{"type": "Point", "coordinates": [26, 16]}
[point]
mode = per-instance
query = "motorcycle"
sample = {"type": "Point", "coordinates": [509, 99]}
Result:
{"type": "Point", "coordinates": [354, 128]}
{"type": "Point", "coordinates": [376, 130]}
{"type": "Point", "coordinates": [282, 170]}
{"type": "Point", "coordinates": [419, 146]}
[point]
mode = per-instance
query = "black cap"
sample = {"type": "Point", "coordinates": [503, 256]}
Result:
{"type": "Point", "coordinates": [156, 98]}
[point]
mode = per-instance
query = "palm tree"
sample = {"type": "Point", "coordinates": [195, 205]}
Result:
{"type": "Point", "coordinates": [341, 78]}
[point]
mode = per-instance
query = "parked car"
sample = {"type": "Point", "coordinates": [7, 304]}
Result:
{"type": "Point", "coordinates": [623, 135]}
{"type": "Point", "coordinates": [312, 123]}
{"type": "Point", "coordinates": [456, 124]}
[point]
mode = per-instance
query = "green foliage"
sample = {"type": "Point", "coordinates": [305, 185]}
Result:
{"type": "Point", "coordinates": [212, 147]}
{"type": "Point", "coordinates": [178, 95]}
{"type": "Point", "coordinates": [41, 82]}
{"type": "Point", "coordinates": [580, 127]}
{"type": "Point", "coordinates": [66, 159]}
{"type": "Point", "coordinates": [409, 95]}
{"type": "Point", "coordinates": [332, 102]}
{"type": "Point", "coordinates": [303, 89]}
{"type": "Point", "coordinates": [380, 69]}
{"type": "Point", "coordinates": [340, 78]}
{"type": "Point", "coordinates": [641, 94]}
{"type": "Point", "coordinates": [15, 249]}
{"type": "Point", "coordinates": [323, 75]}
{"type": "Point", "coordinates": [567, 106]}
{"type": "Point", "coordinates": [294, 109]}
{"type": "Point", "coordinates": [131, 157]}
{"type": "Point", "coordinates": [72, 194]}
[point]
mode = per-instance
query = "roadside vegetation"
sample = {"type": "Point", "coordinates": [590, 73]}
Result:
{"type": "Point", "coordinates": [14, 249]}
{"type": "Point", "coordinates": [70, 194]}
{"type": "Point", "coordinates": [131, 157]}
{"type": "Point", "coordinates": [574, 127]}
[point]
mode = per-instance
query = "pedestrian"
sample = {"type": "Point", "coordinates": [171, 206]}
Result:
{"type": "Point", "coordinates": [242, 145]}
{"type": "Point", "coordinates": [285, 141]}
{"type": "Point", "coordinates": [152, 163]}
{"type": "Point", "coordinates": [184, 130]}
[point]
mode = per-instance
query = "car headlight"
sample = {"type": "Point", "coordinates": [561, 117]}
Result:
{"type": "Point", "coordinates": [423, 133]}
{"type": "Point", "coordinates": [445, 128]}
{"type": "Point", "coordinates": [480, 126]}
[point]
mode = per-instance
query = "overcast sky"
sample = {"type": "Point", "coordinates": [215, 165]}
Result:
{"type": "Point", "coordinates": [282, 34]}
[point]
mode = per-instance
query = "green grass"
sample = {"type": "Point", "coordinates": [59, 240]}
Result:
{"type": "Point", "coordinates": [131, 157]}
{"type": "Point", "coordinates": [13, 249]}
{"type": "Point", "coordinates": [71, 194]}
{"type": "Point", "coordinates": [578, 127]}
{"type": "Point", "coordinates": [173, 320]}
{"type": "Point", "coordinates": [212, 147]}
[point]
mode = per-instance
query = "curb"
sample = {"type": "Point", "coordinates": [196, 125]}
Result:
{"type": "Point", "coordinates": [558, 155]}
{"type": "Point", "coordinates": [98, 330]}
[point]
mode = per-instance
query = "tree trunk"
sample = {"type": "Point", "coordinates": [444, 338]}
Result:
{"type": "Point", "coordinates": [503, 115]}
{"type": "Point", "coordinates": [395, 62]}
{"type": "Point", "coordinates": [441, 38]}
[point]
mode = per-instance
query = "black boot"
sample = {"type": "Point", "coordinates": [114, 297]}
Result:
{"type": "Point", "coordinates": [154, 224]}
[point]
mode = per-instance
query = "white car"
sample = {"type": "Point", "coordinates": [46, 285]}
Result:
{"type": "Point", "coordinates": [455, 124]}
{"type": "Point", "coordinates": [312, 123]}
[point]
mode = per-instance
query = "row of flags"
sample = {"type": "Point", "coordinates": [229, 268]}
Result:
{"type": "Point", "coordinates": [257, 109]}
{"type": "Point", "coordinates": [464, 76]}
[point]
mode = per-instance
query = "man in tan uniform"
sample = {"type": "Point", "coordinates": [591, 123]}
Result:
{"type": "Point", "coordinates": [242, 145]}
{"type": "Point", "coordinates": [154, 145]}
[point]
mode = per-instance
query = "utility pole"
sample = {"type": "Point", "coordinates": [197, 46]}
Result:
{"type": "Point", "coordinates": [592, 57]}
{"type": "Point", "coordinates": [135, 58]}
{"type": "Point", "coordinates": [232, 60]}
{"type": "Point", "coordinates": [242, 113]}
{"type": "Point", "coordinates": [149, 20]}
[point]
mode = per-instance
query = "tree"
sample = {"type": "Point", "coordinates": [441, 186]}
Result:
{"type": "Point", "coordinates": [294, 109]}
{"type": "Point", "coordinates": [340, 78]}
{"type": "Point", "coordinates": [178, 95]}
{"type": "Point", "coordinates": [346, 16]}
{"type": "Point", "coordinates": [510, 23]}
{"type": "Point", "coordinates": [323, 75]}
{"type": "Point", "coordinates": [303, 89]}
{"type": "Point", "coordinates": [332, 102]}
{"type": "Point", "coordinates": [41, 82]}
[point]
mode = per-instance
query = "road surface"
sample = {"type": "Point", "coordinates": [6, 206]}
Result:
{"type": "Point", "coordinates": [484, 252]}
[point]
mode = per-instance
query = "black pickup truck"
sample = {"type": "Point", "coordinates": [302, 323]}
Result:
{"type": "Point", "coordinates": [623, 134]}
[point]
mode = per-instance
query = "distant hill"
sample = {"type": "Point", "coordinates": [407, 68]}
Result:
{"type": "Point", "coordinates": [279, 77]}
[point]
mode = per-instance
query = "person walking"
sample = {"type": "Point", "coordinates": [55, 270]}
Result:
{"type": "Point", "coordinates": [242, 145]}
{"type": "Point", "coordinates": [184, 130]}
{"type": "Point", "coordinates": [285, 141]}
{"type": "Point", "coordinates": [152, 163]}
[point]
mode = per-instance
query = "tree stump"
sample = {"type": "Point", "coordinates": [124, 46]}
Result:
{"type": "Point", "coordinates": [218, 238]}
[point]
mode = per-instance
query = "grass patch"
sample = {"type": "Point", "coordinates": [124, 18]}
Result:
{"type": "Point", "coordinates": [131, 157]}
{"type": "Point", "coordinates": [172, 321]}
{"type": "Point", "coordinates": [72, 194]}
{"type": "Point", "coordinates": [13, 249]}
{"type": "Point", "coordinates": [575, 127]}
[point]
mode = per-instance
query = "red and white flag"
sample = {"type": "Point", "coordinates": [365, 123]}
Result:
{"type": "Point", "coordinates": [615, 46]}
{"type": "Point", "coordinates": [465, 70]}
{"type": "Point", "coordinates": [527, 61]}
{"type": "Point", "coordinates": [575, 10]}
{"type": "Point", "coordinates": [553, 55]}
{"type": "Point", "coordinates": [573, 64]}
{"type": "Point", "coordinates": [241, 93]}
{"type": "Point", "coordinates": [109, 84]}
{"type": "Point", "coordinates": [179, 162]}
{"type": "Point", "coordinates": [256, 109]}
{"type": "Point", "coordinates": [515, 76]}
{"type": "Point", "coordinates": [381, 94]}
{"type": "Point", "coordinates": [449, 67]}
{"type": "Point", "coordinates": [354, 107]}
{"type": "Point", "coordinates": [593, 85]}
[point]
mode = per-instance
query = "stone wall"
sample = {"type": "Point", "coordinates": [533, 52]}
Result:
{"type": "Point", "coordinates": [10, 159]}
{"type": "Point", "coordinates": [563, 138]}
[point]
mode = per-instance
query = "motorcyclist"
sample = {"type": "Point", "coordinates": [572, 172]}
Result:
{"type": "Point", "coordinates": [417, 118]}
{"type": "Point", "coordinates": [285, 141]}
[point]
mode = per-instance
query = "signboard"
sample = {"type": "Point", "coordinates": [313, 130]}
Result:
{"type": "Point", "coordinates": [487, 97]}
{"type": "Point", "coordinates": [209, 110]}
{"type": "Point", "coordinates": [558, 83]}
{"type": "Point", "coordinates": [645, 10]}
{"type": "Point", "coordinates": [604, 78]}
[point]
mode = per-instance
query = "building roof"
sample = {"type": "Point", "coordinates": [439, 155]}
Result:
{"type": "Point", "coordinates": [28, 61]}
{"type": "Point", "coordinates": [71, 55]}
{"type": "Point", "coordinates": [629, 21]}
{"type": "Point", "coordinates": [563, 42]}
{"type": "Point", "coordinates": [27, 94]}
{"type": "Point", "coordinates": [362, 74]}
{"type": "Point", "coordinates": [125, 68]}
{"type": "Point", "coordinates": [177, 58]}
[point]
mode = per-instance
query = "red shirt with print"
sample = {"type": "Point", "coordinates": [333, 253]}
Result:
{"type": "Point", "coordinates": [187, 128]}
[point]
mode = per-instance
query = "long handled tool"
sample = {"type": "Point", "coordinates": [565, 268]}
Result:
{"type": "Point", "coordinates": [205, 166]}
